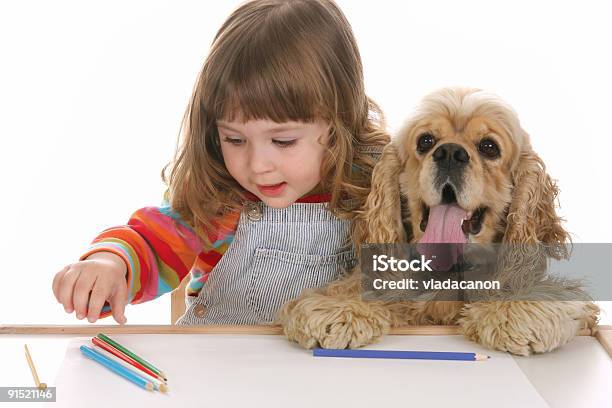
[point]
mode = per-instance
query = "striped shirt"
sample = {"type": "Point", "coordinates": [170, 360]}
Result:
{"type": "Point", "coordinates": [160, 249]}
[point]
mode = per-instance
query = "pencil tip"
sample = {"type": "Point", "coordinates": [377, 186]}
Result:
{"type": "Point", "coordinates": [163, 388]}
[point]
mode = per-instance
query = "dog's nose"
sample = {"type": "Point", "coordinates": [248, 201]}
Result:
{"type": "Point", "coordinates": [451, 155]}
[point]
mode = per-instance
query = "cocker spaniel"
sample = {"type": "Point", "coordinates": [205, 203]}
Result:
{"type": "Point", "coordinates": [460, 170]}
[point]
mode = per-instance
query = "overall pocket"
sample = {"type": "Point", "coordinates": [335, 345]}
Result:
{"type": "Point", "coordinates": [278, 276]}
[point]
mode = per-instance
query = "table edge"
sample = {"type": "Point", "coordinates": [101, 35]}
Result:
{"type": "Point", "coordinates": [220, 329]}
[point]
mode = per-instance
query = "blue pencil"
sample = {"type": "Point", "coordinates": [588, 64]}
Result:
{"type": "Point", "coordinates": [117, 368]}
{"type": "Point", "coordinates": [420, 355]}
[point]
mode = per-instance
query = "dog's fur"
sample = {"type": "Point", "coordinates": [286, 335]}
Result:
{"type": "Point", "coordinates": [520, 208]}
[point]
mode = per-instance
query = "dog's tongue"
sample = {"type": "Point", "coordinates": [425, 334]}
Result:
{"type": "Point", "coordinates": [443, 227]}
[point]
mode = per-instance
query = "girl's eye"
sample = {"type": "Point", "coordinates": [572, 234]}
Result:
{"type": "Point", "coordinates": [233, 140]}
{"type": "Point", "coordinates": [284, 143]}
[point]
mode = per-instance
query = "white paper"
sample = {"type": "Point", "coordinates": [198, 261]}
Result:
{"type": "Point", "coordinates": [212, 370]}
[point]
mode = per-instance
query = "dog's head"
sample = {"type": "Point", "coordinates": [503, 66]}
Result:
{"type": "Point", "coordinates": [464, 171]}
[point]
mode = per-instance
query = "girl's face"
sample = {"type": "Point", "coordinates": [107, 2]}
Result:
{"type": "Point", "coordinates": [278, 162]}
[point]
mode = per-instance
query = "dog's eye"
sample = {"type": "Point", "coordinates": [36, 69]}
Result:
{"type": "Point", "coordinates": [489, 149]}
{"type": "Point", "coordinates": [425, 143]}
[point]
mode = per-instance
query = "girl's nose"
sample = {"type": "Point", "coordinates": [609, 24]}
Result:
{"type": "Point", "coordinates": [260, 161]}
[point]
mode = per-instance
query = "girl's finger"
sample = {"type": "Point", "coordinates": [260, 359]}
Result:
{"type": "Point", "coordinates": [66, 288]}
{"type": "Point", "coordinates": [80, 297]}
{"type": "Point", "coordinates": [99, 294]}
{"type": "Point", "coordinates": [118, 301]}
{"type": "Point", "coordinates": [56, 281]}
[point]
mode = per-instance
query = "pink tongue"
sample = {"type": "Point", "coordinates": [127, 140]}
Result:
{"type": "Point", "coordinates": [443, 227]}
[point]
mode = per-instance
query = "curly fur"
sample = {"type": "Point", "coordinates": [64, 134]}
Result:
{"type": "Point", "coordinates": [520, 196]}
{"type": "Point", "coordinates": [380, 220]}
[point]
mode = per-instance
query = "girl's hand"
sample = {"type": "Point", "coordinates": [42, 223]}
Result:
{"type": "Point", "coordinates": [84, 286]}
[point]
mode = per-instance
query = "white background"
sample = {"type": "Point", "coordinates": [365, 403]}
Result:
{"type": "Point", "coordinates": [92, 94]}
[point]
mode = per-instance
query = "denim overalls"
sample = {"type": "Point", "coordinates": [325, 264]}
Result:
{"type": "Point", "coordinates": [275, 254]}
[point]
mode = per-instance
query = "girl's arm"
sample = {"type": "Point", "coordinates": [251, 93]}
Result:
{"type": "Point", "coordinates": [158, 247]}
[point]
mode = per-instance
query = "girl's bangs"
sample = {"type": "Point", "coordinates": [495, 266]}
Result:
{"type": "Point", "coordinates": [271, 86]}
{"type": "Point", "coordinates": [268, 98]}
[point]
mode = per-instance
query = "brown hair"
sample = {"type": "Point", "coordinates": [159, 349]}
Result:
{"type": "Point", "coordinates": [280, 60]}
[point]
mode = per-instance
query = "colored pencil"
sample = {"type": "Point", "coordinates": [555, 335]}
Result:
{"type": "Point", "coordinates": [141, 360]}
{"type": "Point", "coordinates": [158, 384]}
{"type": "Point", "coordinates": [117, 368]}
{"type": "Point", "coordinates": [39, 385]}
{"type": "Point", "coordinates": [396, 354]}
{"type": "Point", "coordinates": [125, 358]}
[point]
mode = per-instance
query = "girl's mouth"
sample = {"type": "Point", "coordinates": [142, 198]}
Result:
{"type": "Point", "coordinates": [272, 190]}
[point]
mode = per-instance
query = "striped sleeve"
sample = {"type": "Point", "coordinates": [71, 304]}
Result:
{"type": "Point", "coordinates": [158, 247]}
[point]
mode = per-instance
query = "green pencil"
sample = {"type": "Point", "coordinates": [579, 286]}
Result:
{"type": "Point", "coordinates": [141, 360]}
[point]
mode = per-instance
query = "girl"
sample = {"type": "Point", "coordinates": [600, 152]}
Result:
{"type": "Point", "coordinates": [278, 144]}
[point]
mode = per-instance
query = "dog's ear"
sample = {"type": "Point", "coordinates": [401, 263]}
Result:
{"type": "Point", "coordinates": [381, 215]}
{"type": "Point", "coordinates": [532, 217]}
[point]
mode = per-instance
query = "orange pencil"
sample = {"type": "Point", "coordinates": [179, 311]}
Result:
{"type": "Point", "coordinates": [125, 358]}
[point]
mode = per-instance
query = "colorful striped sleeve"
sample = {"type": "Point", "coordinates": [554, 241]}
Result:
{"type": "Point", "coordinates": [158, 247]}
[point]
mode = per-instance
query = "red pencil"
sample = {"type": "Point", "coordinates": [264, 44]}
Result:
{"type": "Point", "coordinates": [124, 357]}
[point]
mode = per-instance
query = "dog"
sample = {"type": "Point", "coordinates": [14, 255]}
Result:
{"type": "Point", "coordinates": [460, 170]}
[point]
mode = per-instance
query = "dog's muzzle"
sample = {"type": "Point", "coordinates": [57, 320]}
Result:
{"type": "Point", "coordinates": [451, 159]}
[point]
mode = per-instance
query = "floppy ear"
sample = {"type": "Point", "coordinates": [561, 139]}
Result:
{"type": "Point", "coordinates": [532, 217]}
{"type": "Point", "coordinates": [381, 216]}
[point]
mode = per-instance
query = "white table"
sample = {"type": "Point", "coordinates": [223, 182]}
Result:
{"type": "Point", "coordinates": [577, 375]}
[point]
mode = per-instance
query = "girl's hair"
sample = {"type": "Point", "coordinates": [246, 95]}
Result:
{"type": "Point", "coordinates": [281, 60]}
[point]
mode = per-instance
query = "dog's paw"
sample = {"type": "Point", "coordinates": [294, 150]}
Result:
{"type": "Point", "coordinates": [323, 321]}
{"type": "Point", "coordinates": [525, 327]}
{"type": "Point", "coordinates": [591, 316]}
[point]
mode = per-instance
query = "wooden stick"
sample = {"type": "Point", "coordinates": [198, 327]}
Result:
{"type": "Point", "coordinates": [212, 329]}
{"type": "Point", "coordinates": [138, 329]}
{"type": "Point", "coordinates": [39, 385]}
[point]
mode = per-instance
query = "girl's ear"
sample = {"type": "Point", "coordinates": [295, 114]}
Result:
{"type": "Point", "coordinates": [381, 215]}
